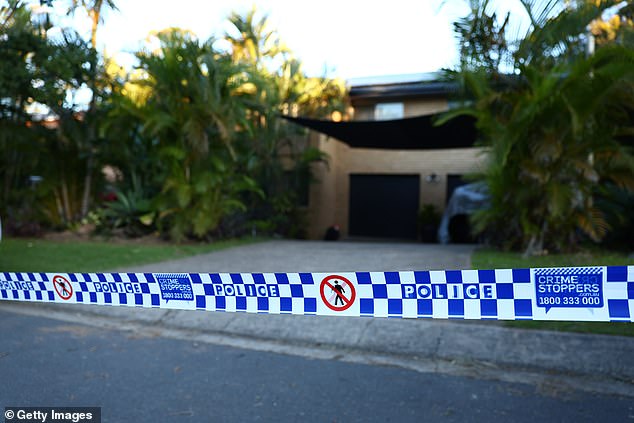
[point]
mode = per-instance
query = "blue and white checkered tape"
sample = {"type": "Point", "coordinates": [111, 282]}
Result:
{"type": "Point", "coordinates": [571, 293]}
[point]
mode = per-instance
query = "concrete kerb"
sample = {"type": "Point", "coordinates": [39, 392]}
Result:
{"type": "Point", "coordinates": [592, 356]}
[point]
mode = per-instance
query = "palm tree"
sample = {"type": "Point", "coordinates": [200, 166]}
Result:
{"type": "Point", "coordinates": [284, 89]}
{"type": "Point", "coordinates": [41, 70]}
{"type": "Point", "coordinates": [251, 40]}
{"type": "Point", "coordinates": [197, 104]}
{"type": "Point", "coordinates": [551, 129]}
{"type": "Point", "coordinates": [94, 9]}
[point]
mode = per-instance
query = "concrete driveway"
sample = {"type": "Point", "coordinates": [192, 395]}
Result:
{"type": "Point", "coordinates": [321, 256]}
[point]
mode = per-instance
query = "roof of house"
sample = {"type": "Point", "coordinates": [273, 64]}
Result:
{"type": "Point", "coordinates": [390, 87]}
{"type": "Point", "coordinates": [393, 79]}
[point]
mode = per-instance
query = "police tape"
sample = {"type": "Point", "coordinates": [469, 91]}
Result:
{"type": "Point", "coordinates": [603, 293]}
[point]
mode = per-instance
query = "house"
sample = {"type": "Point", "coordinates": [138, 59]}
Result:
{"type": "Point", "coordinates": [389, 159]}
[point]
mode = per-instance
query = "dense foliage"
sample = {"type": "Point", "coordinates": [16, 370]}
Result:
{"type": "Point", "coordinates": [556, 120]}
{"type": "Point", "coordinates": [191, 142]}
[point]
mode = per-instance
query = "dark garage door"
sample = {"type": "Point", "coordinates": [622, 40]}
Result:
{"type": "Point", "coordinates": [384, 205]}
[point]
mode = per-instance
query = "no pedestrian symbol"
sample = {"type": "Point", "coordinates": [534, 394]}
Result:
{"type": "Point", "coordinates": [337, 292]}
{"type": "Point", "coordinates": [63, 288]}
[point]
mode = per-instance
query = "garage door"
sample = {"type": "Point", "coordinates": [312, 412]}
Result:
{"type": "Point", "coordinates": [384, 206]}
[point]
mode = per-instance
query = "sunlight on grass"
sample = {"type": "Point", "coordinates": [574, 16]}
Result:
{"type": "Point", "coordinates": [38, 255]}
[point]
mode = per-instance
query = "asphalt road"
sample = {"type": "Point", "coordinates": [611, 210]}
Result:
{"type": "Point", "coordinates": [136, 379]}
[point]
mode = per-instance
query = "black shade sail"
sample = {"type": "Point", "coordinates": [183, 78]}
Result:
{"type": "Point", "coordinates": [415, 133]}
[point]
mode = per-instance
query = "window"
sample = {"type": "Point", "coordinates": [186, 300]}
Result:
{"type": "Point", "coordinates": [388, 111]}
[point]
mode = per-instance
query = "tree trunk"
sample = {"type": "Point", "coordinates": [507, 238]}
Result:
{"type": "Point", "coordinates": [85, 201]}
{"type": "Point", "coordinates": [536, 244]}
{"type": "Point", "coordinates": [66, 203]}
{"type": "Point", "coordinates": [58, 204]}
{"type": "Point", "coordinates": [90, 162]}
{"type": "Point", "coordinates": [94, 16]}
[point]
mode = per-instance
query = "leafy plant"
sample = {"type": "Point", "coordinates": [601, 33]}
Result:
{"type": "Point", "coordinates": [617, 204]}
{"type": "Point", "coordinates": [428, 221]}
{"type": "Point", "coordinates": [194, 204]}
{"type": "Point", "coordinates": [550, 127]}
{"type": "Point", "coordinates": [428, 215]}
{"type": "Point", "coordinates": [130, 211]}
{"type": "Point", "coordinates": [44, 74]}
{"type": "Point", "coordinates": [193, 133]}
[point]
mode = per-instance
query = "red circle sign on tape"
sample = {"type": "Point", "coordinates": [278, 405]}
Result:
{"type": "Point", "coordinates": [337, 292]}
{"type": "Point", "coordinates": [63, 288]}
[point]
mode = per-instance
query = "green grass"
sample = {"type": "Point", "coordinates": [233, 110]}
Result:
{"type": "Point", "coordinates": [38, 255]}
{"type": "Point", "coordinates": [492, 259]}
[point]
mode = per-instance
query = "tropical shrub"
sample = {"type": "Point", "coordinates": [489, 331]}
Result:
{"type": "Point", "coordinates": [550, 118]}
{"type": "Point", "coordinates": [192, 137]}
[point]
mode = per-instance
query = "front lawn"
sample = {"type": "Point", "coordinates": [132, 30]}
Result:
{"type": "Point", "coordinates": [73, 256]}
{"type": "Point", "coordinates": [487, 258]}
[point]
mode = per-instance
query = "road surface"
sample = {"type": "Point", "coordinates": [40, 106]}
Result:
{"type": "Point", "coordinates": [153, 378]}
